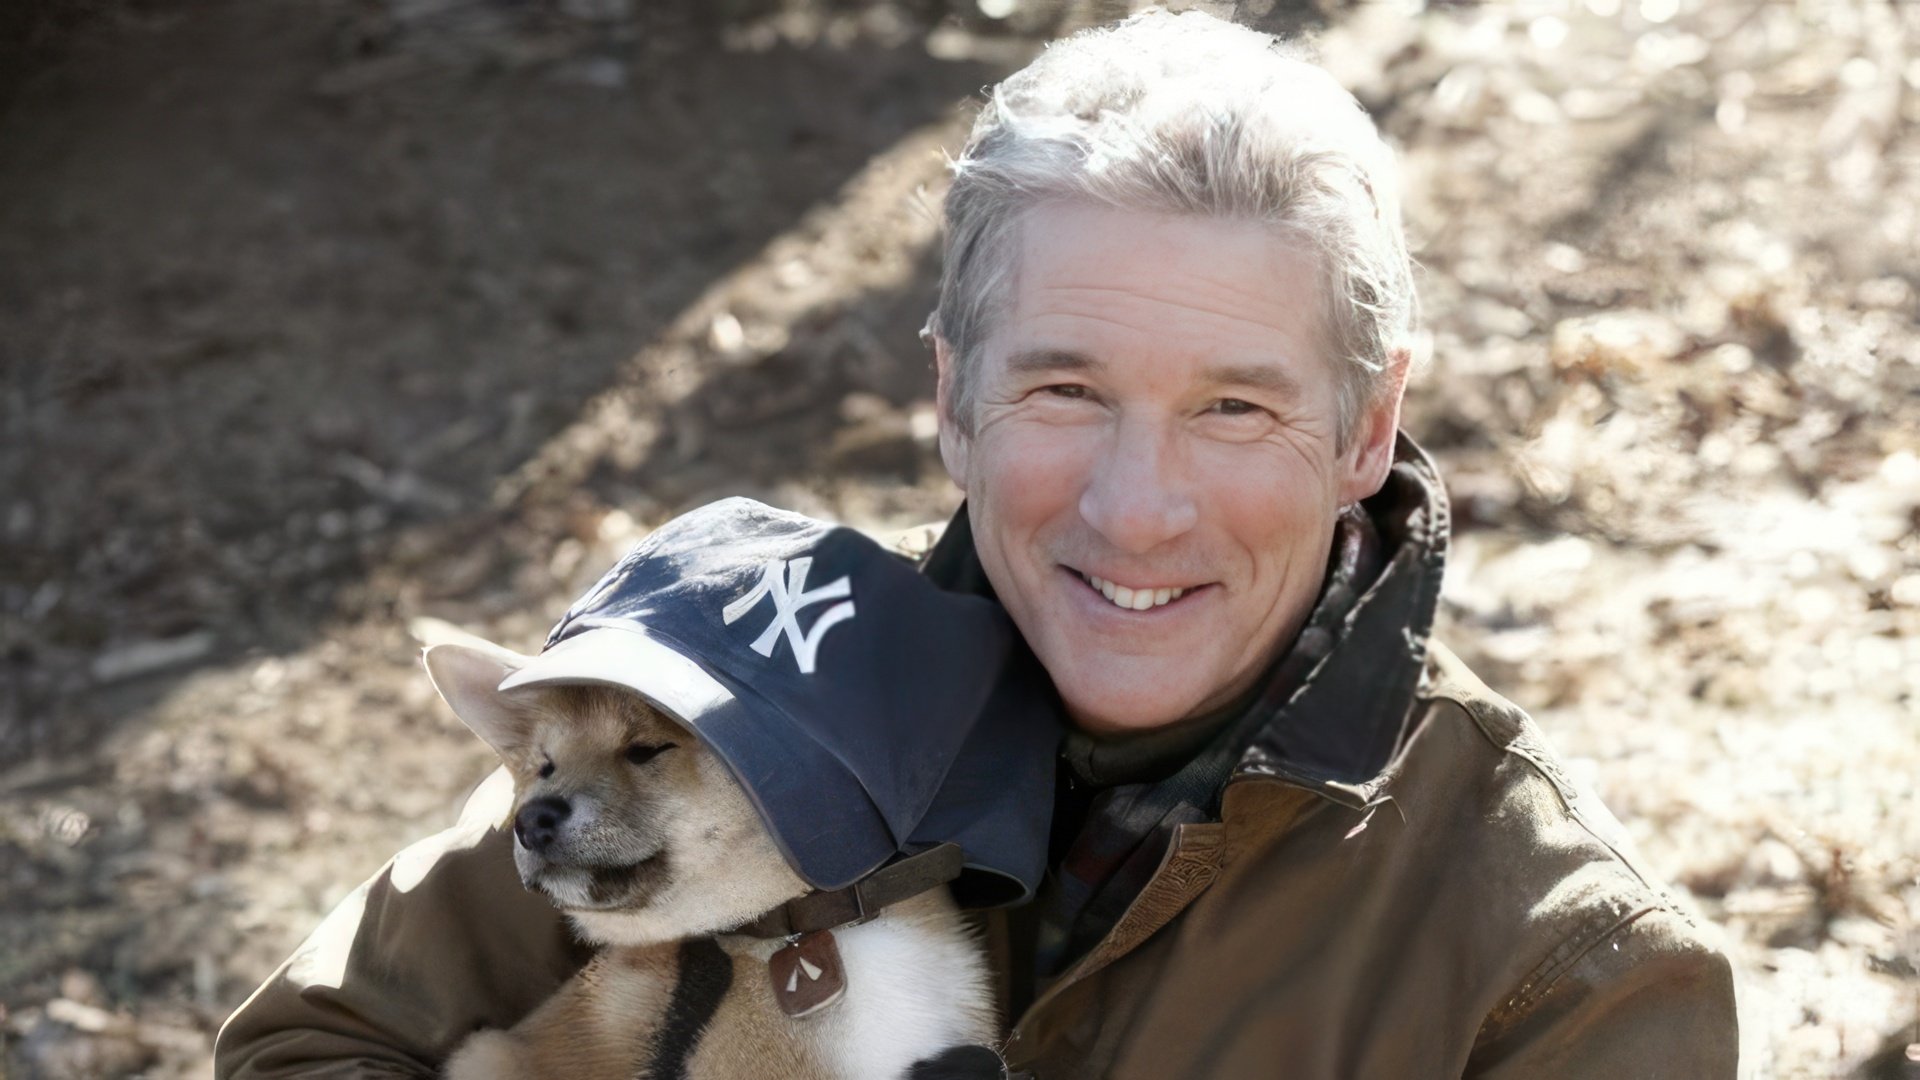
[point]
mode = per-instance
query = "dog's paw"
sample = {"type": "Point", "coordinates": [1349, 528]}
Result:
{"type": "Point", "coordinates": [960, 1063]}
{"type": "Point", "coordinates": [487, 1055]}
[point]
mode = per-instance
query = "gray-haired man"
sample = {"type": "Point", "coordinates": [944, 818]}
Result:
{"type": "Point", "coordinates": [1294, 836]}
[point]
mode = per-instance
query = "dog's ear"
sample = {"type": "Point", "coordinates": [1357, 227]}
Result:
{"type": "Point", "coordinates": [468, 677]}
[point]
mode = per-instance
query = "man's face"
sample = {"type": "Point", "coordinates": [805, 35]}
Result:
{"type": "Point", "coordinates": [1153, 474]}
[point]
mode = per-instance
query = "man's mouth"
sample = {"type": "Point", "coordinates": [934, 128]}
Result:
{"type": "Point", "coordinates": [1134, 597]}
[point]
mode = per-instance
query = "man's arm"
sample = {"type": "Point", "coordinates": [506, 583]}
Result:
{"type": "Point", "coordinates": [443, 941]}
{"type": "Point", "coordinates": [1649, 999]}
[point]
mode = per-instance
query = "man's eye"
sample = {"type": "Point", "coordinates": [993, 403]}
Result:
{"type": "Point", "coordinates": [1070, 391]}
{"type": "Point", "coordinates": [1235, 407]}
{"type": "Point", "coordinates": [640, 753]}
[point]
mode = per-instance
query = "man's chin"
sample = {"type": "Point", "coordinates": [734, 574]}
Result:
{"type": "Point", "coordinates": [1108, 708]}
{"type": "Point", "coordinates": [1109, 692]}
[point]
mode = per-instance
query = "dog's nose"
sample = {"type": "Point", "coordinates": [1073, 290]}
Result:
{"type": "Point", "coordinates": [538, 822]}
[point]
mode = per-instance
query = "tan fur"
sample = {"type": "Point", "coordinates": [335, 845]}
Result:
{"type": "Point", "coordinates": [600, 1025]}
{"type": "Point", "coordinates": [725, 868]}
{"type": "Point", "coordinates": [708, 865]}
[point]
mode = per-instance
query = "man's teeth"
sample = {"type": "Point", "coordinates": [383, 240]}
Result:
{"type": "Point", "coordinates": [1133, 599]}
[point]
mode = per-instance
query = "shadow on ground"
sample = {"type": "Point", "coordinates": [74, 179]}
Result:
{"type": "Point", "coordinates": [291, 282]}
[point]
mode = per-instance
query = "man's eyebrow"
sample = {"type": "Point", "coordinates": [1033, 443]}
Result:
{"type": "Point", "coordinates": [1043, 361]}
{"type": "Point", "coordinates": [1267, 377]}
{"type": "Point", "coordinates": [1251, 376]}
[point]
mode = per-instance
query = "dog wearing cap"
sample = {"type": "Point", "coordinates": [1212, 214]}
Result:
{"type": "Point", "coordinates": [764, 816]}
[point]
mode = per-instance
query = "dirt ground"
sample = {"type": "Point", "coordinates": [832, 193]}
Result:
{"type": "Point", "coordinates": [322, 321]}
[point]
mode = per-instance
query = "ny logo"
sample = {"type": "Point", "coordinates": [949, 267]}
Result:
{"type": "Point", "coordinates": [789, 596]}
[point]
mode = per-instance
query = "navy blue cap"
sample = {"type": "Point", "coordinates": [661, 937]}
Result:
{"type": "Point", "coordinates": [865, 711]}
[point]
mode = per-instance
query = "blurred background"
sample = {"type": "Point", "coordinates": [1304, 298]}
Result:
{"type": "Point", "coordinates": [323, 320]}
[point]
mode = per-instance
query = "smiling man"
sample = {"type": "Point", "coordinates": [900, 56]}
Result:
{"type": "Point", "coordinates": [1154, 454]}
{"type": "Point", "coordinates": [1293, 836]}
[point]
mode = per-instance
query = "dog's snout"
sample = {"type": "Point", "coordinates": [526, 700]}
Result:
{"type": "Point", "coordinates": [539, 821]}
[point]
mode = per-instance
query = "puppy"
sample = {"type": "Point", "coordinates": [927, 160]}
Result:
{"type": "Point", "coordinates": [641, 835]}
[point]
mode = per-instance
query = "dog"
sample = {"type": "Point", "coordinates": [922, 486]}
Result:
{"type": "Point", "coordinates": [635, 829]}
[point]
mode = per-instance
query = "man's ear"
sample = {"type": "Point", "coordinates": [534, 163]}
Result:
{"type": "Point", "coordinates": [1370, 449]}
{"type": "Point", "coordinates": [954, 442]}
{"type": "Point", "coordinates": [468, 678]}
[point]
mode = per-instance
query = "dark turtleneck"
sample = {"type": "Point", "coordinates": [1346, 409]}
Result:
{"type": "Point", "coordinates": [1142, 757]}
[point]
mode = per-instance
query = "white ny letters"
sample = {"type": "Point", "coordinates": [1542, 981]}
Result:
{"type": "Point", "coordinates": [790, 594]}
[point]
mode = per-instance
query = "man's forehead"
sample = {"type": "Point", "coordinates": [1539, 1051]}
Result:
{"type": "Point", "coordinates": [1071, 257]}
{"type": "Point", "coordinates": [1233, 303]}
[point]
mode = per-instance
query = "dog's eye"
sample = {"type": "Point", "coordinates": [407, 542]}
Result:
{"type": "Point", "coordinates": [546, 769]}
{"type": "Point", "coordinates": [640, 753]}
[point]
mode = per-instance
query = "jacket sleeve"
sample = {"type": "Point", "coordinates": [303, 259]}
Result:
{"type": "Point", "coordinates": [441, 942]}
{"type": "Point", "coordinates": [1649, 999]}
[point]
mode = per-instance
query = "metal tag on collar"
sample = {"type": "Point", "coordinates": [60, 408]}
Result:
{"type": "Point", "coordinates": [807, 974]}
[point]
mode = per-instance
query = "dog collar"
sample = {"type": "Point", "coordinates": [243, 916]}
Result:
{"type": "Point", "coordinates": [862, 900]}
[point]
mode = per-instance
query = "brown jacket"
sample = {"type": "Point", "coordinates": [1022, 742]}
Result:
{"type": "Point", "coordinates": [1463, 911]}
{"type": "Point", "coordinates": [1469, 913]}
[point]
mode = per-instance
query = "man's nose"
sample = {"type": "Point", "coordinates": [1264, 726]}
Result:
{"type": "Point", "coordinates": [1138, 497]}
{"type": "Point", "coordinates": [538, 822]}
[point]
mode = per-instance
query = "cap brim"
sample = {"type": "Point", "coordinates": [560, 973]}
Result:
{"type": "Point", "coordinates": [820, 816]}
{"type": "Point", "coordinates": [630, 659]}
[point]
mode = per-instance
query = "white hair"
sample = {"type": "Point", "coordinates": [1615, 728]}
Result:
{"type": "Point", "coordinates": [1183, 114]}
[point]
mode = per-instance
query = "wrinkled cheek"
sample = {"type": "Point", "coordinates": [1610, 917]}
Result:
{"type": "Point", "coordinates": [1268, 501]}
{"type": "Point", "coordinates": [1029, 479]}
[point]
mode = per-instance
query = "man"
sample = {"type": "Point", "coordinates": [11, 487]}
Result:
{"type": "Point", "coordinates": [1294, 837]}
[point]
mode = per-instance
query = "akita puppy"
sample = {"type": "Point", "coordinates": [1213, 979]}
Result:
{"type": "Point", "coordinates": [642, 835]}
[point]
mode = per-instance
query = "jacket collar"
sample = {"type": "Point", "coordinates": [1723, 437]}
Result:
{"type": "Point", "coordinates": [1332, 709]}
{"type": "Point", "coordinates": [1337, 729]}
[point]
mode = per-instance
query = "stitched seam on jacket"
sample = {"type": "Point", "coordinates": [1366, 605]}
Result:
{"type": "Point", "coordinates": [1188, 871]}
{"type": "Point", "coordinates": [1521, 743]}
{"type": "Point", "coordinates": [1192, 844]}
{"type": "Point", "coordinates": [1663, 899]}
{"type": "Point", "coordinates": [1547, 974]}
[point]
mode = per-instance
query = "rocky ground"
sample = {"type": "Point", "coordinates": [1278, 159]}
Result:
{"type": "Point", "coordinates": [325, 324]}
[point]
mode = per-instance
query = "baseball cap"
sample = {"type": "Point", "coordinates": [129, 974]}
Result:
{"type": "Point", "coordinates": [866, 712]}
